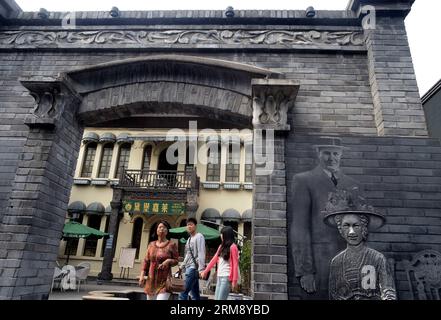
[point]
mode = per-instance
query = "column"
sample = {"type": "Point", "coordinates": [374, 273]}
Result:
{"type": "Point", "coordinates": [30, 230]}
{"type": "Point", "coordinates": [272, 100]}
{"type": "Point", "coordinates": [116, 204]}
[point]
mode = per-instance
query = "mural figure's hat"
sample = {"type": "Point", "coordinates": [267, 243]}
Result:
{"type": "Point", "coordinates": [329, 142]}
{"type": "Point", "coordinates": [350, 202]}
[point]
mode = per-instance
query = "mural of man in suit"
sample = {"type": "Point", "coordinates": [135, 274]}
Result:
{"type": "Point", "coordinates": [312, 244]}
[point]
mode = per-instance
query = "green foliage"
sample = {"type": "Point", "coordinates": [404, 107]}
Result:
{"type": "Point", "coordinates": [245, 267]}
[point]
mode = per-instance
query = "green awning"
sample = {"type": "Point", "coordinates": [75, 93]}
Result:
{"type": "Point", "coordinates": [73, 229]}
{"type": "Point", "coordinates": [207, 232]}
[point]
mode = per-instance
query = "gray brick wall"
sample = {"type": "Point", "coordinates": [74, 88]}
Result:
{"type": "Point", "coordinates": [397, 103]}
{"type": "Point", "coordinates": [401, 178]}
{"type": "Point", "coordinates": [359, 92]}
{"type": "Point", "coordinates": [32, 223]}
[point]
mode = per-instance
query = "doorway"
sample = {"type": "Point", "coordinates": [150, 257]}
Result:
{"type": "Point", "coordinates": [166, 171]}
{"type": "Point", "coordinates": [137, 235]}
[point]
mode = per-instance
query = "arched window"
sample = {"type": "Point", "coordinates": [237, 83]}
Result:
{"type": "Point", "coordinates": [123, 158]}
{"type": "Point", "coordinates": [90, 245]}
{"type": "Point", "coordinates": [232, 224]}
{"type": "Point", "coordinates": [147, 157]}
{"type": "Point", "coordinates": [233, 164]}
{"type": "Point", "coordinates": [248, 162]}
{"type": "Point", "coordinates": [136, 235]}
{"type": "Point", "coordinates": [213, 166]}
{"type": "Point", "coordinates": [247, 230]}
{"type": "Point", "coordinates": [106, 159]}
{"type": "Point", "coordinates": [72, 244]}
{"type": "Point", "coordinates": [189, 165]}
{"type": "Point", "coordinates": [89, 158]}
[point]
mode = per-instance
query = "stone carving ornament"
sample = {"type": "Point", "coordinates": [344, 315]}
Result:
{"type": "Point", "coordinates": [148, 38]}
{"type": "Point", "coordinates": [424, 275]}
{"type": "Point", "coordinates": [271, 108]}
{"type": "Point", "coordinates": [271, 101]}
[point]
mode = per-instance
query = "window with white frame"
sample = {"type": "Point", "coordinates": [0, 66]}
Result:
{"type": "Point", "coordinates": [123, 158]}
{"type": "Point", "coordinates": [94, 221]}
{"type": "Point", "coordinates": [89, 158]}
{"type": "Point", "coordinates": [146, 158]}
{"type": "Point", "coordinates": [213, 166]}
{"type": "Point", "coordinates": [106, 159]}
{"type": "Point", "coordinates": [248, 162]}
{"type": "Point", "coordinates": [232, 169]}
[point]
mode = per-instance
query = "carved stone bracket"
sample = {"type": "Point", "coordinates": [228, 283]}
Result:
{"type": "Point", "coordinates": [272, 98]}
{"type": "Point", "coordinates": [51, 98]}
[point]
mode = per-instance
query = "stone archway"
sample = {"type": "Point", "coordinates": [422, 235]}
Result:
{"type": "Point", "coordinates": [168, 84]}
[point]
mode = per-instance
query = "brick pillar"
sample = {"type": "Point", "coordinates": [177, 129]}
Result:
{"type": "Point", "coordinates": [31, 227]}
{"type": "Point", "coordinates": [269, 259]}
{"type": "Point", "coordinates": [397, 104]}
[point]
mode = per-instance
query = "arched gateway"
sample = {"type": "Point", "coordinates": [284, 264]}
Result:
{"type": "Point", "coordinates": [232, 95]}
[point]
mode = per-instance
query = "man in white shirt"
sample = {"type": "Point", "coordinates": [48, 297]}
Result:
{"type": "Point", "coordinates": [194, 261]}
{"type": "Point", "coordinates": [313, 245]}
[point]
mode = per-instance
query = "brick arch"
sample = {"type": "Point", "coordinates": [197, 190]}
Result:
{"type": "Point", "coordinates": [43, 181]}
{"type": "Point", "coordinates": [166, 84]}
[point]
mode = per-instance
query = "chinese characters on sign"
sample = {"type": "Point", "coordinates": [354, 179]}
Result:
{"type": "Point", "coordinates": [154, 207]}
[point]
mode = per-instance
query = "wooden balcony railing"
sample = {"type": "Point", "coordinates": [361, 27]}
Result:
{"type": "Point", "coordinates": [164, 180]}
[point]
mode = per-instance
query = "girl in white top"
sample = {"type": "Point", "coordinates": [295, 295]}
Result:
{"type": "Point", "coordinates": [227, 258]}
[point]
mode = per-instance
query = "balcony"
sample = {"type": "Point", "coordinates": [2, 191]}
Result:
{"type": "Point", "coordinates": [159, 180]}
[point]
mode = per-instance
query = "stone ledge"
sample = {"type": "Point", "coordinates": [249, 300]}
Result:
{"type": "Point", "coordinates": [81, 181]}
{"type": "Point", "coordinates": [34, 122]}
{"type": "Point", "coordinates": [211, 185]}
{"type": "Point", "coordinates": [331, 17]}
{"type": "Point", "coordinates": [99, 182]}
{"type": "Point", "coordinates": [248, 186]}
{"type": "Point", "coordinates": [231, 185]}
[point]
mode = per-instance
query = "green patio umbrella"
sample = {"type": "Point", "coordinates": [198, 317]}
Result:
{"type": "Point", "coordinates": [76, 230]}
{"type": "Point", "coordinates": [182, 233]}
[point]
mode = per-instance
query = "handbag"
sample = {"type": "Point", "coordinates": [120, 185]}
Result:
{"type": "Point", "coordinates": [196, 263]}
{"type": "Point", "coordinates": [175, 283]}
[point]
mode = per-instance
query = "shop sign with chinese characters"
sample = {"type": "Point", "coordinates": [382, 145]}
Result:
{"type": "Point", "coordinates": [154, 207]}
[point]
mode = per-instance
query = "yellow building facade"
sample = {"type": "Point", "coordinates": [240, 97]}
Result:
{"type": "Point", "coordinates": [225, 187]}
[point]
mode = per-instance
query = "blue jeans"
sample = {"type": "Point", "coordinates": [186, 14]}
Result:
{"type": "Point", "coordinates": [222, 288]}
{"type": "Point", "coordinates": [191, 285]}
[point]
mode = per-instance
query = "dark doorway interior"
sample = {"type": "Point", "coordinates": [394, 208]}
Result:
{"type": "Point", "coordinates": [168, 174]}
{"type": "Point", "coordinates": [163, 163]}
{"type": "Point", "coordinates": [136, 235]}
{"type": "Point", "coordinates": [152, 234]}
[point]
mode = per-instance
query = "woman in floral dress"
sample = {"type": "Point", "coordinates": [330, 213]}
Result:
{"type": "Point", "coordinates": [161, 255]}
